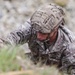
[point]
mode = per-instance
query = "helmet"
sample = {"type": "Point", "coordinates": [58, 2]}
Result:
{"type": "Point", "coordinates": [47, 17]}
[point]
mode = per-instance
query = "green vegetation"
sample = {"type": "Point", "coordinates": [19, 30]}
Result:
{"type": "Point", "coordinates": [14, 60]}
{"type": "Point", "coordinates": [8, 60]}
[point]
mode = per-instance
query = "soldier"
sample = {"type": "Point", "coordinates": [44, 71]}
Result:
{"type": "Point", "coordinates": [49, 40]}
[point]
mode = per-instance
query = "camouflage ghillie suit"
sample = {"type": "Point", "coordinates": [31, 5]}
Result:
{"type": "Point", "coordinates": [60, 52]}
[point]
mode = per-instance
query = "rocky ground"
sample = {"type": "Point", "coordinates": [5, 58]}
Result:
{"type": "Point", "coordinates": [13, 13]}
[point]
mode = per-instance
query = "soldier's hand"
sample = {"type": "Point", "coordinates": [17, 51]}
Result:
{"type": "Point", "coordinates": [3, 43]}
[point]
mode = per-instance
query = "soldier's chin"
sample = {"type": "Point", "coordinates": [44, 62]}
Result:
{"type": "Point", "coordinates": [41, 40]}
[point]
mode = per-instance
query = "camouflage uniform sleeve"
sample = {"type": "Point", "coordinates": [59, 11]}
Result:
{"type": "Point", "coordinates": [68, 60]}
{"type": "Point", "coordinates": [20, 35]}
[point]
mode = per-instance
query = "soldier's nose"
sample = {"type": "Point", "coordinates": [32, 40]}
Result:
{"type": "Point", "coordinates": [41, 36]}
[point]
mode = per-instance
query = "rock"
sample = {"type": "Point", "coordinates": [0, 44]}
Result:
{"type": "Point", "coordinates": [8, 5]}
{"type": "Point", "coordinates": [61, 2]}
{"type": "Point", "coordinates": [71, 17]}
{"type": "Point", "coordinates": [23, 10]}
{"type": "Point", "coordinates": [1, 15]}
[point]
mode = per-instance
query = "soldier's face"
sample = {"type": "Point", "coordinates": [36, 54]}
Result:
{"type": "Point", "coordinates": [47, 36]}
{"type": "Point", "coordinates": [42, 36]}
